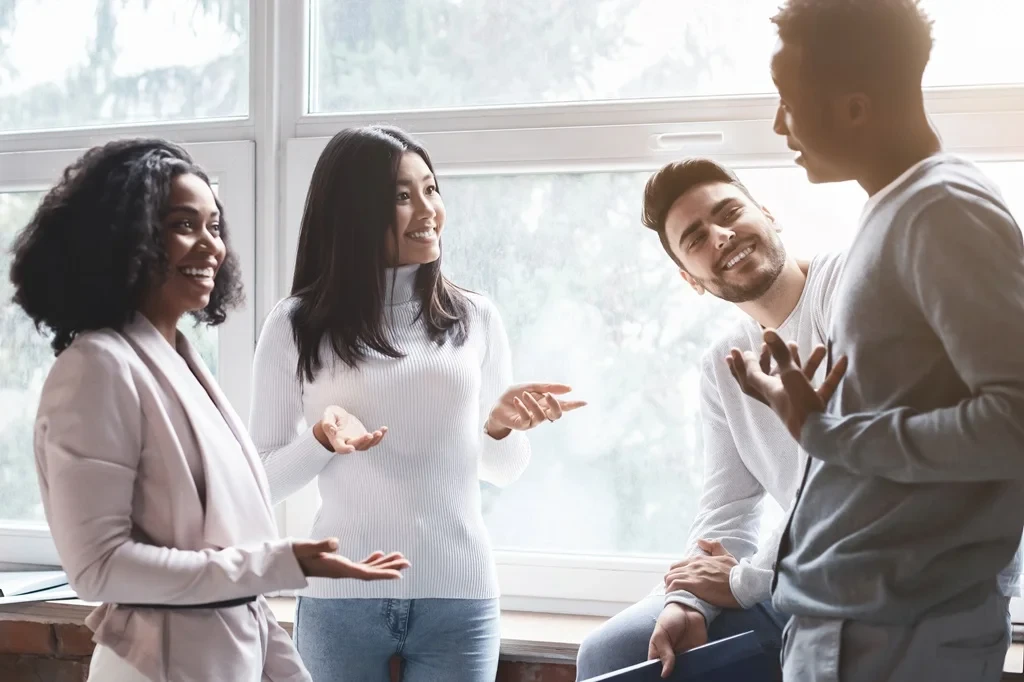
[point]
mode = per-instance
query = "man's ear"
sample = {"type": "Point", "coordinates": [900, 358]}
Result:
{"type": "Point", "coordinates": [853, 110]}
{"type": "Point", "coordinates": [775, 223]}
{"type": "Point", "coordinates": [691, 281]}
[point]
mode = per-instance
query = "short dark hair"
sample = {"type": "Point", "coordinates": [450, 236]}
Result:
{"type": "Point", "coordinates": [673, 181]}
{"type": "Point", "coordinates": [871, 44]}
{"type": "Point", "coordinates": [95, 248]}
{"type": "Point", "coordinates": [342, 257]}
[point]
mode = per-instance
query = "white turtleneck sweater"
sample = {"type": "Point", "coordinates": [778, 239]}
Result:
{"type": "Point", "coordinates": [417, 491]}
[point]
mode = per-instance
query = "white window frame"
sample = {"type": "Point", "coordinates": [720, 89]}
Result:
{"type": "Point", "coordinates": [282, 141]}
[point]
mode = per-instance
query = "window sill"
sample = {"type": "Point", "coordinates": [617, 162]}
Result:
{"type": "Point", "coordinates": [525, 637]}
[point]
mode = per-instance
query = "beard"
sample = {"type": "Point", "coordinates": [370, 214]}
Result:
{"type": "Point", "coordinates": [774, 253]}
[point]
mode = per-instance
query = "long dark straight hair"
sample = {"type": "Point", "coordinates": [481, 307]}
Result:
{"type": "Point", "coordinates": [342, 260]}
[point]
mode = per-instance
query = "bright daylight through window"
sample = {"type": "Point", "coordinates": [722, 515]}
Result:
{"type": "Point", "coordinates": [544, 118]}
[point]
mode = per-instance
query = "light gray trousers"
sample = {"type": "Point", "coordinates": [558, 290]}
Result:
{"type": "Point", "coordinates": [969, 646]}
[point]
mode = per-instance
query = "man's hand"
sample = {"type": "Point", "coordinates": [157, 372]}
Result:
{"type": "Point", "coordinates": [679, 628]}
{"type": "Point", "coordinates": [705, 577]}
{"type": "Point", "coordinates": [788, 390]}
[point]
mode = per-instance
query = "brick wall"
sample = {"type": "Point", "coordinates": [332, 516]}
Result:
{"type": "Point", "coordinates": [511, 671]}
{"type": "Point", "coordinates": [45, 652]}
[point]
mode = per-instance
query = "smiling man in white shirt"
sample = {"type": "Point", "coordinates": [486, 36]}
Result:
{"type": "Point", "coordinates": [724, 243]}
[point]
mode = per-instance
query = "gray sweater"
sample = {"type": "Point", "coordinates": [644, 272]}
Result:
{"type": "Point", "coordinates": [913, 501]}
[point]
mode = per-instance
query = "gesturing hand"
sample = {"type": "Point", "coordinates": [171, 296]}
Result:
{"type": "Point", "coordinates": [317, 560]}
{"type": "Point", "coordinates": [344, 433]}
{"type": "Point", "coordinates": [524, 406]}
{"type": "Point", "coordinates": [788, 389]}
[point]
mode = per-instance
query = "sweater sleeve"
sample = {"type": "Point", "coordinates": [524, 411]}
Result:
{"type": "Point", "coordinates": [501, 461]}
{"type": "Point", "coordinates": [291, 454]}
{"type": "Point", "coordinates": [730, 504]}
{"type": "Point", "coordinates": [961, 263]}
{"type": "Point", "coordinates": [751, 579]}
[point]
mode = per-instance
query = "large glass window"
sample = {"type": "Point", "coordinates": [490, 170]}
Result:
{"type": "Point", "coordinates": [543, 206]}
{"type": "Point", "coordinates": [101, 62]}
{"type": "Point", "coordinates": [590, 298]}
{"type": "Point", "coordinates": [25, 358]}
{"type": "Point", "coordinates": [429, 54]}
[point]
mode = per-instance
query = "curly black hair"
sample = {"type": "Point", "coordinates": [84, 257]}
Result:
{"type": "Point", "coordinates": [94, 248]}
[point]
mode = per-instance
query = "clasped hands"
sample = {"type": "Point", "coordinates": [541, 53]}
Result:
{"type": "Point", "coordinates": [679, 627]}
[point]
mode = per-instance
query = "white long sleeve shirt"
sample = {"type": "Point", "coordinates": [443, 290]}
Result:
{"type": "Point", "coordinates": [417, 491]}
{"type": "Point", "coordinates": [748, 453]}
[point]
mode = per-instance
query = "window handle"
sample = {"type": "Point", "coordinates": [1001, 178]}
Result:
{"type": "Point", "coordinates": [677, 141]}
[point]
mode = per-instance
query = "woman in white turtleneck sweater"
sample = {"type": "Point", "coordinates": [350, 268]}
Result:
{"type": "Point", "coordinates": [374, 334]}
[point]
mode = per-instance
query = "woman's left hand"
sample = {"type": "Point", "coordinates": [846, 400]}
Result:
{"type": "Point", "coordinates": [524, 406]}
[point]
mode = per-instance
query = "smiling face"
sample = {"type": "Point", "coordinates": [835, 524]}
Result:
{"type": "Point", "coordinates": [419, 213]}
{"type": "Point", "coordinates": [194, 248]}
{"type": "Point", "coordinates": [726, 243]}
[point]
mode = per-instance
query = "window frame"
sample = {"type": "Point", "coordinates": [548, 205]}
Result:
{"type": "Point", "coordinates": [282, 139]}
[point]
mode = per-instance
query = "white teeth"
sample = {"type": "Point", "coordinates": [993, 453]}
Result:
{"type": "Point", "coordinates": [738, 257]}
{"type": "Point", "coordinates": [424, 234]}
{"type": "Point", "coordinates": [198, 272]}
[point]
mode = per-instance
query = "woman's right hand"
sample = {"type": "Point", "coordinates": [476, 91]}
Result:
{"type": "Point", "coordinates": [343, 433]}
{"type": "Point", "coordinates": [318, 560]}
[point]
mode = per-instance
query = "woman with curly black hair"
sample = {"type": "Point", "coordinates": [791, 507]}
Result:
{"type": "Point", "coordinates": [155, 496]}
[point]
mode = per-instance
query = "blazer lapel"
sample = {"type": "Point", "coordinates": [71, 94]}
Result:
{"type": "Point", "coordinates": [237, 504]}
{"type": "Point", "coordinates": [234, 423]}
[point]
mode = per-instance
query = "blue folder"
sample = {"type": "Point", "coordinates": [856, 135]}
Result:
{"type": "Point", "coordinates": [734, 659]}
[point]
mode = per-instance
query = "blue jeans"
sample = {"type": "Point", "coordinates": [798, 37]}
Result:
{"type": "Point", "coordinates": [624, 639]}
{"type": "Point", "coordinates": [437, 640]}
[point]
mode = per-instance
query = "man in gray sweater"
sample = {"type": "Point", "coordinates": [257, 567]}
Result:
{"type": "Point", "coordinates": [913, 498]}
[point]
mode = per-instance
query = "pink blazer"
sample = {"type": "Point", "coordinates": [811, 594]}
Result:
{"type": "Point", "coordinates": [117, 415]}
